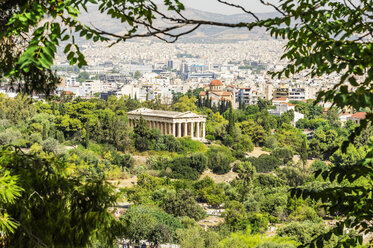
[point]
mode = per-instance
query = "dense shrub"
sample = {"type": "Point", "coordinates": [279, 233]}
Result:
{"type": "Point", "coordinates": [208, 191]}
{"type": "Point", "coordinates": [151, 224]}
{"type": "Point", "coordinates": [10, 137]}
{"type": "Point", "coordinates": [191, 146]}
{"type": "Point", "coordinates": [293, 176]}
{"type": "Point", "coordinates": [274, 203]}
{"type": "Point", "coordinates": [243, 142]}
{"type": "Point", "coordinates": [283, 153]}
{"type": "Point", "coordinates": [168, 143]}
{"type": "Point", "coordinates": [219, 159]}
{"type": "Point", "coordinates": [265, 163]}
{"type": "Point", "coordinates": [35, 138]}
{"type": "Point", "coordinates": [258, 223]}
{"type": "Point", "coordinates": [271, 142]}
{"type": "Point", "coordinates": [319, 165]}
{"type": "Point", "coordinates": [122, 160]}
{"type": "Point", "coordinates": [52, 145]}
{"type": "Point", "coordinates": [302, 232]}
{"type": "Point", "coordinates": [181, 204]}
{"type": "Point", "coordinates": [303, 213]}
{"type": "Point", "coordinates": [182, 167]}
{"type": "Point", "coordinates": [269, 181]}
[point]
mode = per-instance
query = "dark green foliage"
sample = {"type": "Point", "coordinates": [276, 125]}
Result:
{"type": "Point", "coordinates": [219, 159]}
{"type": "Point", "coordinates": [187, 167]}
{"type": "Point", "coordinates": [274, 245]}
{"type": "Point", "coordinates": [255, 131]}
{"type": "Point", "coordinates": [149, 223]}
{"type": "Point", "coordinates": [293, 176]}
{"type": "Point", "coordinates": [319, 165]}
{"type": "Point", "coordinates": [181, 204]}
{"type": "Point", "coordinates": [304, 153]}
{"type": "Point", "coordinates": [122, 160]}
{"type": "Point", "coordinates": [263, 104]}
{"type": "Point", "coordinates": [274, 202]}
{"type": "Point", "coordinates": [284, 153]}
{"type": "Point", "coordinates": [168, 143]}
{"type": "Point", "coordinates": [265, 163]}
{"type": "Point", "coordinates": [302, 232]}
{"type": "Point", "coordinates": [258, 223]}
{"type": "Point", "coordinates": [209, 192]}
{"type": "Point", "coordinates": [271, 142]}
{"type": "Point", "coordinates": [62, 209]}
{"type": "Point", "coordinates": [235, 215]}
{"type": "Point", "coordinates": [143, 135]}
{"type": "Point", "coordinates": [269, 181]}
{"type": "Point", "coordinates": [232, 121]}
{"type": "Point", "coordinates": [191, 146]}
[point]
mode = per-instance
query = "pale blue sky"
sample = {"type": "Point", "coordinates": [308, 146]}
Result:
{"type": "Point", "coordinates": [216, 7]}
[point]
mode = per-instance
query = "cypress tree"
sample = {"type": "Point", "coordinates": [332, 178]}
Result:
{"type": "Point", "coordinates": [45, 133]}
{"type": "Point", "coordinates": [304, 153]}
{"type": "Point", "coordinates": [231, 124]}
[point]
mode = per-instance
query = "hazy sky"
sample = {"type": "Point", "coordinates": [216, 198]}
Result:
{"type": "Point", "coordinates": [216, 7]}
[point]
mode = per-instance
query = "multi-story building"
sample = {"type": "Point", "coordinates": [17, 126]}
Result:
{"type": "Point", "coordinates": [297, 94]}
{"type": "Point", "coordinates": [282, 91]}
{"type": "Point", "coordinates": [216, 93]}
{"type": "Point", "coordinates": [243, 95]}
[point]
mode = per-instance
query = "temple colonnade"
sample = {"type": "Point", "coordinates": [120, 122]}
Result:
{"type": "Point", "coordinates": [178, 124]}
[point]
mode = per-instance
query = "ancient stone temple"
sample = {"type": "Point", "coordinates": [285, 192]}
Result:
{"type": "Point", "coordinates": [178, 124]}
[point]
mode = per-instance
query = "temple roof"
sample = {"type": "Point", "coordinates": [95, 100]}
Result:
{"type": "Point", "coordinates": [163, 113]}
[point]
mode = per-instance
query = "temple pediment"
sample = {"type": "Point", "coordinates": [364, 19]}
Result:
{"type": "Point", "coordinates": [163, 114]}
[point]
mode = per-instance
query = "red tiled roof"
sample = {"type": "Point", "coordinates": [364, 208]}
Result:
{"type": "Point", "coordinates": [202, 93]}
{"type": "Point", "coordinates": [280, 99]}
{"type": "Point", "coordinates": [216, 82]}
{"type": "Point", "coordinates": [359, 115]}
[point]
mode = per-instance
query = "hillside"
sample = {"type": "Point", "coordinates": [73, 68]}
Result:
{"type": "Point", "coordinates": [207, 34]}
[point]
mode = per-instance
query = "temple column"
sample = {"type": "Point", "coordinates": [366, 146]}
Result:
{"type": "Point", "coordinates": [197, 129]}
{"type": "Point", "coordinates": [174, 129]}
{"type": "Point", "coordinates": [192, 129]}
{"type": "Point", "coordinates": [185, 129]}
{"type": "Point", "coordinates": [169, 125]}
{"type": "Point", "coordinates": [203, 130]}
{"type": "Point", "coordinates": [162, 128]}
{"type": "Point", "coordinates": [179, 129]}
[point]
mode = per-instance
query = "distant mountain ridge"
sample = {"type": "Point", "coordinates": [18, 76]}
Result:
{"type": "Point", "coordinates": [208, 34]}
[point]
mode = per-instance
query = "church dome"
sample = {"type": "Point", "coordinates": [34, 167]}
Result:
{"type": "Point", "coordinates": [216, 82]}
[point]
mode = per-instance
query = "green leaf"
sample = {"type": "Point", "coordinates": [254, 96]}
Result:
{"type": "Point", "coordinates": [67, 48]}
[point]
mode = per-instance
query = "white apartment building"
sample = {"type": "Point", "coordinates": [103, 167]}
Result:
{"type": "Point", "coordinates": [285, 107]}
{"type": "Point", "coordinates": [298, 94]}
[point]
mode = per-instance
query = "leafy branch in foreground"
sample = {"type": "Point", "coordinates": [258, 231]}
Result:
{"type": "Point", "coordinates": [55, 208]}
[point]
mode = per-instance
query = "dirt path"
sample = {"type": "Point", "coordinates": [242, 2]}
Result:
{"type": "Point", "coordinates": [256, 152]}
{"type": "Point", "coordinates": [139, 160]}
{"type": "Point", "coordinates": [219, 178]}
{"type": "Point", "coordinates": [122, 183]}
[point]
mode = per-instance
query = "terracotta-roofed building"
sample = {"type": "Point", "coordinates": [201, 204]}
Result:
{"type": "Point", "coordinates": [217, 93]}
{"type": "Point", "coordinates": [280, 100]}
{"type": "Point", "coordinates": [357, 117]}
{"type": "Point", "coordinates": [202, 93]}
